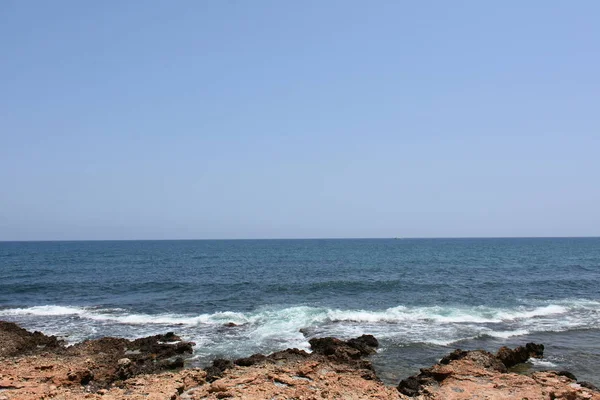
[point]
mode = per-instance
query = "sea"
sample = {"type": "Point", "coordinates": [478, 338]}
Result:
{"type": "Point", "coordinates": [422, 298]}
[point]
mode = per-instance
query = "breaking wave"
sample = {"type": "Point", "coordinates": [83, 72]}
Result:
{"type": "Point", "coordinates": [272, 328]}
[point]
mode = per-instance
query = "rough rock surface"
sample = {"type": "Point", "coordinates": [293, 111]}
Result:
{"type": "Point", "coordinates": [479, 374]}
{"type": "Point", "coordinates": [15, 340]}
{"type": "Point", "coordinates": [35, 366]}
{"type": "Point", "coordinates": [114, 369]}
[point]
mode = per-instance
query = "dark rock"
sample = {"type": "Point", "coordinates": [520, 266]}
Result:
{"type": "Point", "coordinates": [326, 346]}
{"type": "Point", "coordinates": [117, 359]}
{"type": "Point", "coordinates": [349, 352]}
{"type": "Point", "coordinates": [409, 386]}
{"type": "Point", "coordinates": [230, 325]}
{"type": "Point", "coordinates": [288, 355]}
{"type": "Point", "coordinates": [335, 348]}
{"type": "Point", "coordinates": [589, 386]}
{"type": "Point", "coordinates": [174, 364]}
{"type": "Point", "coordinates": [520, 354]}
{"type": "Point", "coordinates": [248, 361]}
{"type": "Point", "coordinates": [567, 374]}
{"type": "Point", "coordinates": [16, 341]}
{"type": "Point", "coordinates": [83, 376]}
{"type": "Point", "coordinates": [215, 371]}
{"type": "Point", "coordinates": [413, 385]}
{"type": "Point", "coordinates": [455, 355]}
{"type": "Point", "coordinates": [366, 344]}
{"type": "Point", "coordinates": [222, 364]}
{"type": "Point", "coordinates": [535, 350]}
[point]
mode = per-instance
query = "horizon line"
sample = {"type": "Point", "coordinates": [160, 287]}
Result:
{"type": "Point", "coordinates": [306, 238]}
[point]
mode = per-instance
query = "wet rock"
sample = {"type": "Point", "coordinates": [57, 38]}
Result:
{"type": "Point", "coordinates": [589, 386]}
{"type": "Point", "coordinates": [248, 361]}
{"type": "Point", "coordinates": [567, 374]}
{"type": "Point", "coordinates": [352, 349]}
{"type": "Point", "coordinates": [520, 354]}
{"type": "Point", "coordinates": [455, 355]}
{"type": "Point", "coordinates": [366, 344]}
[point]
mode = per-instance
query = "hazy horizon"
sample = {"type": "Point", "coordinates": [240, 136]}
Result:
{"type": "Point", "coordinates": [299, 238]}
{"type": "Point", "coordinates": [156, 120]}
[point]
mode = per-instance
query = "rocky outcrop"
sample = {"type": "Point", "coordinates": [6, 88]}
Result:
{"type": "Point", "coordinates": [480, 374]}
{"type": "Point", "coordinates": [520, 354]}
{"type": "Point", "coordinates": [117, 359]}
{"type": "Point", "coordinates": [113, 368]}
{"type": "Point", "coordinates": [95, 364]}
{"type": "Point", "coordinates": [335, 369]}
{"type": "Point", "coordinates": [15, 341]}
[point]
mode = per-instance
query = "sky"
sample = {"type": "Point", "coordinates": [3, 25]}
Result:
{"type": "Point", "coordinates": [298, 119]}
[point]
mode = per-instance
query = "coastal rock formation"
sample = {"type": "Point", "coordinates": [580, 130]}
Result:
{"type": "Point", "coordinates": [34, 366]}
{"type": "Point", "coordinates": [482, 375]}
{"type": "Point", "coordinates": [15, 340]}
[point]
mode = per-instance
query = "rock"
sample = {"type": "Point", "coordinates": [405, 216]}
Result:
{"type": "Point", "coordinates": [520, 354]}
{"type": "Point", "coordinates": [410, 386]}
{"type": "Point", "coordinates": [366, 344]}
{"type": "Point", "coordinates": [124, 361]}
{"type": "Point", "coordinates": [15, 341]}
{"type": "Point", "coordinates": [480, 374]}
{"type": "Point", "coordinates": [215, 371]}
{"type": "Point", "coordinates": [82, 376]}
{"type": "Point", "coordinates": [117, 359]}
{"type": "Point", "coordinates": [589, 386]}
{"type": "Point", "coordinates": [248, 361]}
{"type": "Point", "coordinates": [352, 349]}
{"type": "Point", "coordinates": [335, 369]}
{"type": "Point", "coordinates": [567, 374]}
{"type": "Point", "coordinates": [455, 355]}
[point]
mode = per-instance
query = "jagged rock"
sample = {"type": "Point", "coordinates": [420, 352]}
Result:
{"type": "Point", "coordinates": [480, 374]}
{"type": "Point", "coordinates": [92, 370]}
{"type": "Point", "coordinates": [455, 355]}
{"type": "Point", "coordinates": [353, 349]}
{"type": "Point", "coordinates": [567, 374]}
{"type": "Point", "coordinates": [589, 386]}
{"type": "Point", "coordinates": [15, 341]}
{"type": "Point", "coordinates": [366, 344]}
{"type": "Point", "coordinates": [248, 361]}
{"type": "Point", "coordinates": [215, 371]}
{"type": "Point", "coordinates": [520, 354]}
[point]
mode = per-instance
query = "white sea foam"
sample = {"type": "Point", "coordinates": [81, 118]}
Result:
{"type": "Point", "coordinates": [272, 327]}
{"type": "Point", "coordinates": [542, 363]}
{"type": "Point", "coordinates": [507, 334]}
{"type": "Point", "coordinates": [522, 313]}
{"type": "Point", "coordinates": [48, 310]}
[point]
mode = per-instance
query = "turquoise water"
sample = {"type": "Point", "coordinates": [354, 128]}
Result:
{"type": "Point", "coordinates": [420, 297]}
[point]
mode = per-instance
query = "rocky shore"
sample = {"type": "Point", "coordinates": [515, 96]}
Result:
{"type": "Point", "coordinates": [36, 366]}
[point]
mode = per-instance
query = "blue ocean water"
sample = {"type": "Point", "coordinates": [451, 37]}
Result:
{"type": "Point", "coordinates": [420, 297]}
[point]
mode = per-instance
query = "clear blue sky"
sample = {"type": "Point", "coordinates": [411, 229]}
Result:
{"type": "Point", "coordinates": [283, 119]}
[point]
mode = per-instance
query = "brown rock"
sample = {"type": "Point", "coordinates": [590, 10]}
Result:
{"type": "Point", "coordinates": [15, 341]}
